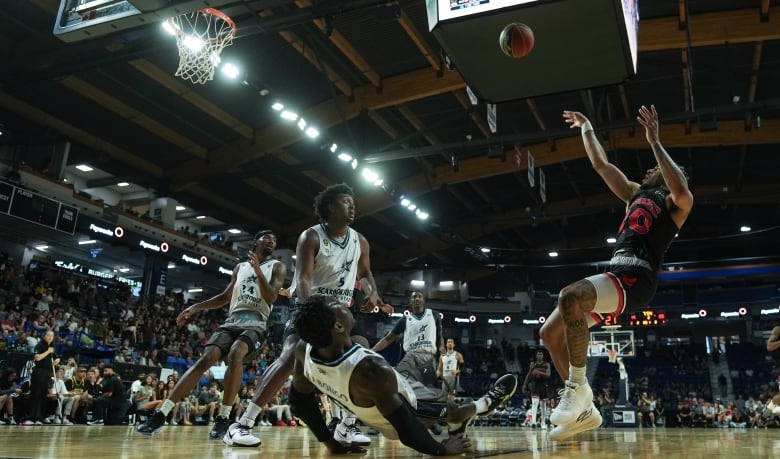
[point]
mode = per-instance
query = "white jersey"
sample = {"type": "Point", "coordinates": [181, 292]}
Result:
{"type": "Point", "coordinates": [246, 296]}
{"type": "Point", "coordinates": [449, 364]}
{"type": "Point", "coordinates": [420, 333]}
{"type": "Point", "coordinates": [335, 266]}
{"type": "Point", "coordinates": [332, 379]}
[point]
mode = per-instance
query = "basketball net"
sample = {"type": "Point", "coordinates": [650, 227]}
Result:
{"type": "Point", "coordinates": [201, 36]}
{"type": "Point", "coordinates": [612, 355]}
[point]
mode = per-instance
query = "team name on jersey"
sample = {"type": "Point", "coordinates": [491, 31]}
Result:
{"type": "Point", "coordinates": [249, 300]}
{"type": "Point", "coordinates": [340, 293]}
{"type": "Point", "coordinates": [330, 390]}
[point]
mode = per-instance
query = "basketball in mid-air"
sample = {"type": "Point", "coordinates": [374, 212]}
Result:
{"type": "Point", "coordinates": [517, 40]}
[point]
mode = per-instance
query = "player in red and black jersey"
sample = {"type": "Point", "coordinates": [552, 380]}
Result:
{"type": "Point", "coordinates": [655, 211]}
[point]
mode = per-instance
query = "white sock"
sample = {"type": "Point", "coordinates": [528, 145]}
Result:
{"type": "Point", "coordinates": [335, 410]}
{"type": "Point", "coordinates": [482, 405]}
{"type": "Point", "coordinates": [167, 406]}
{"type": "Point", "coordinates": [534, 407]}
{"type": "Point", "coordinates": [251, 413]}
{"type": "Point", "coordinates": [348, 419]}
{"type": "Point", "coordinates": [577, 375]}
{"type": "Point", "coordinates": [225, 410]}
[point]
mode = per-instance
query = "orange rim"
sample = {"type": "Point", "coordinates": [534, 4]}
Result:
{"type": "Point", "coordinates": [216, 13]}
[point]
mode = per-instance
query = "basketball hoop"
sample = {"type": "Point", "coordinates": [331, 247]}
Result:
{"type": "Point", "coordinates": [612, 355]}
{"type": "Point", "coordinates": [200, 36]}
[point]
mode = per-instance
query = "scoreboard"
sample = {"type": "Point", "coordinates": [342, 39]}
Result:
{"type": "Point", "coordinates": [647, 317]}
{"type": "Point", "coordinates": [33, 207]}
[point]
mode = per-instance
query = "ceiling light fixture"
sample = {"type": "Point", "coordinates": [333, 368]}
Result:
{"type": "Point", "coordinates": [230, 70]}
{"type": "Point", "coordinates": [288, 115]}
{"type": "Point", "coordinates": [84, 168]}
{"type": "Point", "coordinates": [122, 184]}
{"type": "Point", "coordinates": [88, 241]}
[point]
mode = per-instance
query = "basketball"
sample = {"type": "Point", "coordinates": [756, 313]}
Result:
{"type": "Point", "coordinates": [516, 40]}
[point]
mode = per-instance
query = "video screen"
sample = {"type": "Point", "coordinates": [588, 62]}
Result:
{"type": "Point", "coordinates": [631, 16]}
{"type": "Point", "coordinates": [450, 9]}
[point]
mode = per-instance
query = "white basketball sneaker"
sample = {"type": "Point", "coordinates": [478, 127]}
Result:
{"type": "Point", "coordinates": [575, 398]}
{"type": "Point", "coordinates": [350, 435]}
{"type": "Point", "coordinates": [240, 435]}
{"type": "Point", "coordinates": [587, 420]}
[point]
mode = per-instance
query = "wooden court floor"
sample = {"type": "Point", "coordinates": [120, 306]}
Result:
{"type": "Point", "coordinates": [294, 442]}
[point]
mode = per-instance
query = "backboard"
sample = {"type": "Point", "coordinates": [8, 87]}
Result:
{"type": "Point", "coordinates": [83, 19]}
{"type": "Point", "coordinates": [620, 341]}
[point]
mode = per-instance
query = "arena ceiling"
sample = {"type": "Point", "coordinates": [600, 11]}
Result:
{"type": "Point", "coordinates": [375, 83]}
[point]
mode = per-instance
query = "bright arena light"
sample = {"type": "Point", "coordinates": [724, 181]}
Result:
{"type": "Point", "coordinates": [369, 175]}
{"type": "Point", "coordinates": [346, 157]}
{"type": "Point", "coordinates": [193, 43]}
{"type": "Point", "coordinates": [230, 70]}
{"type": "Point", "coordinates": [278, 106]}
{"type": "Point", "coordinates": [168, 27]}
{"type": "Point", "coordinates": [288, 115]}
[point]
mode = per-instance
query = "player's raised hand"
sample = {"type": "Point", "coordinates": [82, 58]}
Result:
{"type": "Point", "coordinates": [648, 118]}
{"type": "Point", "coordinates": [574, 119]}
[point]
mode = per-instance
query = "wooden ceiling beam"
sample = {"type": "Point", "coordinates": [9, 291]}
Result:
{"type": "Point", "coordinates": [250, 214]}
{"type": "Point", "coordinates": [418, 125]}
{"type": "Point", "coordinates": [687, 89]}
{"type": "Point", "coordinates": [753, 85]}
{"type": "Point", "coordinates": [419, 41]}
{"type": "Point", "coordinates": [346, 48]}
{"type": "Point", "coordinates": [308, 53]}
{"type": "Point", "coordinates": [86, 138]}
{"type": "Point", "coordinates": [133, 115]}
{"type": "Point", "coordinates": [473, 114]}
{"type": "Point", "coordinates": [269, 190]}
{"type": "Point", "coordinates": [164, 79]}
{"type": "Point", "coordinates": [764, 12]}
{"type": "Point", "coordinates": [624, 101]}
{"type": "Point", "coordinates": [682, 14]}
{"type": "Point", "coordinates": [709, 29]}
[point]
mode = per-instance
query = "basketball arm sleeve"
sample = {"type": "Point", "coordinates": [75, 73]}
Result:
{"type": "Point", "coordinates": [413, 433]}
{"type": "Point", "coordinates": [305, 407]}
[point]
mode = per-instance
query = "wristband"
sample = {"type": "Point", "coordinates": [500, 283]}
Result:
{"type": "Point", "coordinates": [586, 126]}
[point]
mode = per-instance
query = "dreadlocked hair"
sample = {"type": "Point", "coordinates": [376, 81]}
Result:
{"type": "Point", "coordinates": [326, 197]}
{"type": "Point", "coordinates": [315, 320]}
